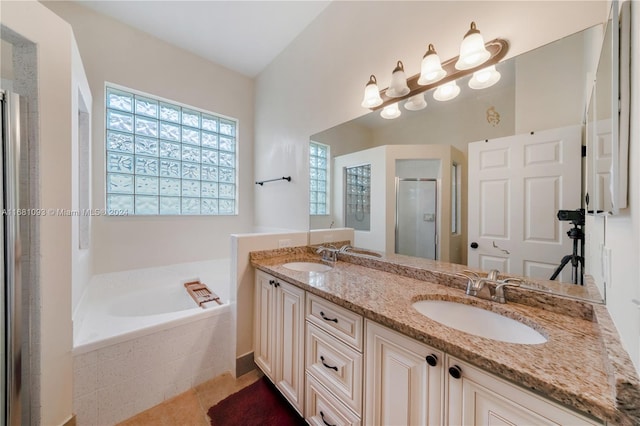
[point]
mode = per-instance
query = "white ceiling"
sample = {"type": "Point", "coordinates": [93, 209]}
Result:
{"type": "Point", "coordinates": [244, 36]}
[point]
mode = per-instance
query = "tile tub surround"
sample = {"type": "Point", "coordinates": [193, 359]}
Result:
{"type": "Point", "coordinates": [115, 382]}
{"type": "Point", "coordinates": [582, 365]}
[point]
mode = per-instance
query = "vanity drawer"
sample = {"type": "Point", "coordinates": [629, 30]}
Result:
{"type": "Point", "coordinates": [336, 365]}
{"type": "Point", "coordinates": [336, 320]}
{"type": "Point", "coordinates": [323, 409]}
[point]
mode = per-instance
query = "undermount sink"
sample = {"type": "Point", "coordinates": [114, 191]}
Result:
{"type": "Point", "coordinates": [479, 322]}
{"type": "Point", "coordinates": [307, 266]}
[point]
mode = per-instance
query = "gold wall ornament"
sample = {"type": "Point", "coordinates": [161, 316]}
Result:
{"type": "Point", "coordinates": [493, 116]}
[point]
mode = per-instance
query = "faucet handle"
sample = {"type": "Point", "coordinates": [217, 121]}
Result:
{"type": "Point", "coordinates": [515, 282]}
{"type": "Point", "coordinates": [493, 275]}
{"type": "Point", "coordinates": [498, 294]}
{"type": "Point", "coordinates": [472, 281]}
{"type": "Point", "coordinates": [468, 274]}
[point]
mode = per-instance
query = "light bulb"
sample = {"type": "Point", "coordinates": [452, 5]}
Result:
{"type": "Point", "coordinates": [390, 111]}
{"type": "Point", "coordinates": [446, 92]}
{"type": "Point", "coordinates": [371, 94]}
{"type": "Point", "coordinates": [472, 50]}
{"type": "Point", "coordinates": [416, 102]}
{"type": "Point", "coordinates": [431, 68]}
{"type": "Point", "coordinates": [398, 86]}
{"type": "Point", "coordinates": [484, 78]}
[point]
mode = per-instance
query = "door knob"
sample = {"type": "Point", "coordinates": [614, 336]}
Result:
{"type": "Point", "coordinates": [474, 245]}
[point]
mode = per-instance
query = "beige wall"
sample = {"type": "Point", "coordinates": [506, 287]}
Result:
{"type": "Point", "coordinates": [54, 41]}
{"type": "Point", "coordinates": [113, 52]}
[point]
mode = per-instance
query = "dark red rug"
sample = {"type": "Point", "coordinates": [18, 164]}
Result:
{"type": "Point", "coordinates": [259, 404]}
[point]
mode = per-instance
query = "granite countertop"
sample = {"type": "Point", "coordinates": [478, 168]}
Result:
{"type": "Point", "coordinates": [582, 365]}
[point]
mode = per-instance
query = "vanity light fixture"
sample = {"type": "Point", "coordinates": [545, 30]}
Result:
{"type": "Point", "coordinates": [390, 111]}
{"type": "Point", "coordinates": [472, 50]}
{"type": "Point", "coordinates": [416, 102]}
{"type": "Point", "coordinates": [431, 68]}
{"type": "Point", "coordinates": [473, 59]}
{"type": "Point", "coordinates": [484, 78]}
{"type": "Point", "coordinates": [398, 86]}
{"type": "Point", "coordinates": [372, 97]}
{"type": "Point", "coordinates": [447, 91]}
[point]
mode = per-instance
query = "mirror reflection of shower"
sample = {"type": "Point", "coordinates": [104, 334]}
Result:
{"type": "Point", "coordinates": [357, 192]}
{"type": "Point", "coordinates": [416, 217]}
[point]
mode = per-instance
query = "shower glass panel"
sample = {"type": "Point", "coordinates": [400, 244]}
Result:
{"type": "Point", "coordinates": [416, 217]}
{"type": "Point", "coordinates": [358, 197]}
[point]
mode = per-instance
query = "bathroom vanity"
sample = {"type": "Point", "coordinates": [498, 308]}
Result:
{"type": "Point", "coordinates": [346, 346]}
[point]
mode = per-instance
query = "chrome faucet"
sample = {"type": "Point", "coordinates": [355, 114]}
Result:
{"type": "Point", "coordinates": [345, 248]}
{"type": "Point", "coordinates": [498, 293]}
{"type": "Point", "coordinates": [475, 283]}
{"type": "Point", "coordinates": [329, 253]}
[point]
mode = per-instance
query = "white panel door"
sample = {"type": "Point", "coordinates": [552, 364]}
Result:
{"type": "Point", "coordinates": [517, 184]}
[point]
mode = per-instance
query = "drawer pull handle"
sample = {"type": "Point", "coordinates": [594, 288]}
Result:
{"type": "Point", "coordinates": [324, 421]}
{"type": "Point", "coordinates": [332, 367]}
{"type": "Point", "coordinates": [324, 317]}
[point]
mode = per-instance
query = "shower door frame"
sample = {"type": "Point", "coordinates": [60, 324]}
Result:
{"type": "Point", "coordinates": [437, 206]}
{"type": "Point", "coordinates": [14, 355]}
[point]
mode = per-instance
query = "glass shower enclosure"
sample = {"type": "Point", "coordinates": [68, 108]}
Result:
{"type": "Point", "coordinates": [416, 217]}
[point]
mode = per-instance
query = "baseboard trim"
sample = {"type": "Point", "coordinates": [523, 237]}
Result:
{"type": "Point", "coordinates": [244, 364]}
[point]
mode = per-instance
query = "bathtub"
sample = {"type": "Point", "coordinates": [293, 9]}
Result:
{"type": "Point", "coordinates": [140, 339]}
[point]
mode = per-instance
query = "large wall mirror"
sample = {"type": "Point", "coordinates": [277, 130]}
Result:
{"type": "Point", "coordinates": [540, 90]}
{"type": "Point", "coordinates": [607, 128]}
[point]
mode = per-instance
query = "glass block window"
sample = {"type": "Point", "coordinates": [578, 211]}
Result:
{"type": "Point", "coordinates": [318, 181]}
{"type": "Point", "coordinates": [164, 158]}
{"type": "Point", "coordinates": [357, 191]}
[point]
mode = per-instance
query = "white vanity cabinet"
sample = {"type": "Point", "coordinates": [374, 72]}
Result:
{"type": "Point", "coordinates": [339, 370]}
{"type": "Point", "coordinates": [475, 397]}
{"type": "Point", "coordinates": [403, 379]}
{"type": "Point", "coordinates": [333, 364]}
{"type": "Point", "coordinates": [279, 335]}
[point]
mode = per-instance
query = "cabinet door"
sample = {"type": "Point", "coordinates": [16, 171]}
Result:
{"type": "Point", "coordinates": [264, 333]}
{"type": "Point", "coordinates": [401, 387]}
{"type": "Point", "coordinates": [478, 398]}
{"type": "Point", "coordinates": [290, 341]}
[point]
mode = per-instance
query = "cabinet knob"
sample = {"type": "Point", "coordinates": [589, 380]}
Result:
{"type": "Point", "coordinates": [272, 282]}
{"type": "Point", "coordinates": [455, 371]}
{"type": "Point", "coordinates": [432, 360]}
{"type": "Point", "coordinates": [474, 245]}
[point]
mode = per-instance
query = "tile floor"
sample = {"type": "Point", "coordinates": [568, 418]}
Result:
{"type": "Point", "coordinates": [190, 408]}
